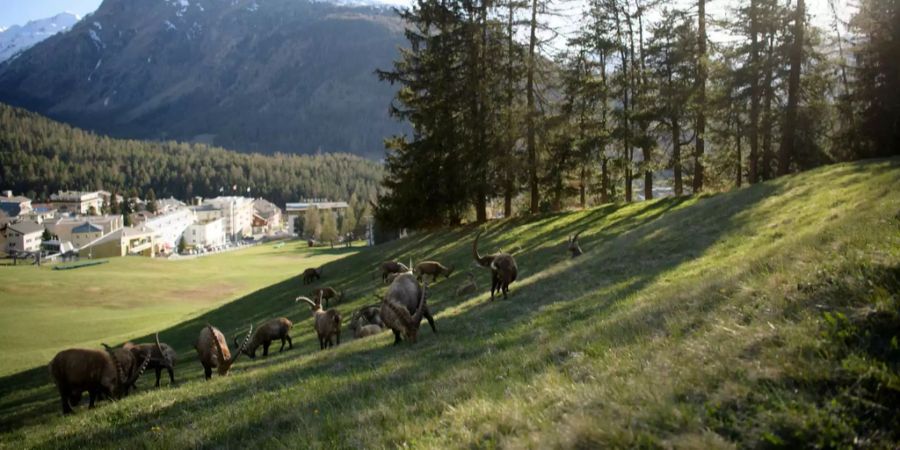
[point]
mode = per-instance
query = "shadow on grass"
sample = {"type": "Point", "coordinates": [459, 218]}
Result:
{"type": "Point", "coordinates": [624, 254]}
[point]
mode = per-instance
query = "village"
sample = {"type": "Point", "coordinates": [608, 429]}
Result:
{"type": "Point", "coordinates": [77, 225]}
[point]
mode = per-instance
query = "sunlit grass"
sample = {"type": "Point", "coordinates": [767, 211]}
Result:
{"type": "Point", "coordinates": [696, 322]}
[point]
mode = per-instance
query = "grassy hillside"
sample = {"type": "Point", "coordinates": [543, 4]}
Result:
{"type": "Point", "coordinates": [764, 317]}
{"type": "Point", "coordinates": [129, 297]}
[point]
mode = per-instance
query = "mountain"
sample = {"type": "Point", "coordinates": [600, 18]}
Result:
{"type": "Point", "coordinates": [16, 39]}
{"type": "Point", "coordinates": [292, 76]}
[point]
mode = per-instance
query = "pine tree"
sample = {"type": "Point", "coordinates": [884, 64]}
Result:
{"type": "Point", "coordinates": [312, 225]}
{"type": "Point", "coordinates": [329, 230]}
{"type": "Point", "coordinates": [151, 201]}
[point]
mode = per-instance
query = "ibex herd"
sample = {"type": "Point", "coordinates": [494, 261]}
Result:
{"type": "Point", "coordinates": [112, 372]}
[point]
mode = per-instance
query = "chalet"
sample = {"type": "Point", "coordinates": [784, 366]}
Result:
{"type": "Point", "coordinates": [78, 202]}
{"type": "Point", "coordinates": [293, 211]}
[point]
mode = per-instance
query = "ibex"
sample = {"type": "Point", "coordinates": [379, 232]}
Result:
{"type": "Point", "coordinates": [432, 268]}
{"type": "Point", "coordinates": [328, 293]}
{"type": "Point", "coordinates": [213, 350]}
{"type": "Point", "coordinates": [392, 267]}
{"type": "Point", "coordinates": [469, 287]}
{"type": "Point", "coordinates": [404, 307]}
{"type": "Point", "coordinates": [502, 265]}
{"type": "Point", "coordinates": [100, 373]}
{"type": "Point", "coordinates": [574, 248]}
{"type": "Point", "coordinates": [309, 274]}
{"type": "Point", "coordinates": [275, 329]}
{"type": "Point", "coordinates": [327, 323]}
{"type": "Point", "coordinates": [366, 321]}
{"type": "Point", "coordinates": [162, 356]}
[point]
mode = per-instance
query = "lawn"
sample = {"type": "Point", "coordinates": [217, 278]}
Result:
{"type": "Point", "coordinates": [763, 317]}
{"type": "Point", "coordinates": [44, 310]}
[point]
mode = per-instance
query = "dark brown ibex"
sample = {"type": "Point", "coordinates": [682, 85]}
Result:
{"type": "Point", "coordinates": [328, 293]}
{"type": "Point", "coordinates": [162, 356]}
{"type": "Point", "coordinates": [502, 265]}
{"type": "Point", "coordinates": [310, 274]}
{"type": "Point", "coordinates": [275, 329]}
{"type": "Point", "coordinates": [101, 373]}
{"type": "Point", "coordinates": [432, 268]}
{"type": "Point", "coordinates": [403, 293]}
{"type": "Point", "coordinates": [392, 267]}
{"type": "Point", "coordinates": [213, 350]}
{"type": "Point", "coordinates": [326, 323]}
{"type": "Point", "coordinates": [574, 248]}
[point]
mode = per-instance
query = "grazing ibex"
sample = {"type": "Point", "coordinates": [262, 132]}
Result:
{"type": "Point", "coordinates": [309, 274]}
{"type": "Point", "coordinates": [162, 356]}
{"type": "Point", "coordinates": [275, 329]}
{"type": "Point", "coordinates": [328, 293]}
{"type": "Point", "coordinates": [327, 323]}
{"type": "Point", "coordinates": [469, 287]}
{"type": "Point", "coordinates": [574, 248]}
{"type": "Point", "coordinates": [502, 265]}
{"type": "Point", "coordinates": [101, 373]}
{"type": "Point", "coordinates": [213, 350]}
{"type": "Point", "coordinates": [405, 294]}
{"type": "Point", "coordinates": [392, 267]}
{"type": "Point", "coordinates": [432, 268]}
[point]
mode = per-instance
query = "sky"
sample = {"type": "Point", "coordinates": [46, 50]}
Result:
{"type": "Point", "coordinates": [18, 12]}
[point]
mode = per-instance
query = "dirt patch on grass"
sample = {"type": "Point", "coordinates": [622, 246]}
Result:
{"type": "Point", "coordinates": [205, 294]}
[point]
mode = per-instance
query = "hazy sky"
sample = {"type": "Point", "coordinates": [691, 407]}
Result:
{"type": "Point", "coordinates": [18, 12]}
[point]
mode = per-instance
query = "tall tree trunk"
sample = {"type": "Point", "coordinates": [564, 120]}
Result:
{"type": "Point", "coordinates": [676, 155]}
{"type": "Point", "coordinates": [767, 123]}
{"type": "Point", "coordinates": [604, 181]}
{"type": "Point", "coordinates": [753, 160]}
{"type": "Point", "coordinates": [646, 148]}
{"type": "Point", "coordinates": [788, 150]}
{"type": "Point", "coordinates": [700, 147]}
{"type": "Point", "coordinates": [530, 112]}
{"type": "Point", "coordinates": [508, 175]}
{"type": "Point", "coordinates": [481, 144]}
{"type": "Point", "coordinates": [739, 161]}
{"type": "Point", "coordinates": [630, 80]}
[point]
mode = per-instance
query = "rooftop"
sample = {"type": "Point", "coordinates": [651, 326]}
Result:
{"type": "Point", "coordinates": [26, 227]}
{"type": "Point", "coordinates": [87, 227]}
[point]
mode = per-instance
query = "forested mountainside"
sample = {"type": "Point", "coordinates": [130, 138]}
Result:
{"type": "Point", "coordinates": [290, 76]}
{"type": "Point", "coordinates": [39, 156]}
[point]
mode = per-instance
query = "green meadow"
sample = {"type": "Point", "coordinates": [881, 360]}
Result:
{"type": "Point", "coordinates": [43, 311]}
{"type": "Point", "coordinates": [764, 317]}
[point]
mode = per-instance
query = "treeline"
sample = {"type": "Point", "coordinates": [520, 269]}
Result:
{"type": "Point", "coordinates": [39, 156]}
{"type": "Point", "coordinates": [640, 93]}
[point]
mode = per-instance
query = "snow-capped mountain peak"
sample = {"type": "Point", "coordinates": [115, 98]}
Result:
{"type": "Point", "coordinates": [16, 39]}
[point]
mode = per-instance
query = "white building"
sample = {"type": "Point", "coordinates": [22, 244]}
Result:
{"type": "Point", "coordinates": [171, 225]}
{"type": "Point", "coordinates": [206, 234]}
{"type": "Point", "coordinates": [237, 212]}
{"type": "Point", "coordinates": [298, 209]}
{"type": "Point", "coordinates": [23, 237]}
{"type": "Point", "coordinates": [78, 202]}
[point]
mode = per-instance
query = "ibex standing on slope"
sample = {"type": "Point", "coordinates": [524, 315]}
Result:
{"type": "Point", "coordinates": [327, 323]}
{"type": "Point", "coordinates": [162, 356]}
{"type": "Point", "coordinates": [271, 330]}
{"type": "Point", "coordinates": [469, 287]}
{"type": "Point", "coordinates": [310, 274]}
{"type": "Point", "coordinates": [328, 293]}
{"type": "Point", "coordinates": [213, 350]}
{"type": "Point", "coordinates": [574, 248]}
{"type": "Point", "coordinates": [502, 265]}
{"type": "Point", "coordinates": [101, 373]}
{"type": "Point", "coordinates": [391, 267]}
{"type": "Point", "coordinates": [403, 293]}
{"type": "Point", "coordinates": [433, 268]}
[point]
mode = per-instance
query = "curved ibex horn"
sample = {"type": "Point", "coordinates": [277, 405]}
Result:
{"type": "Point", "coordinates": [161, 352]}
{"type": "Point", "coordinates": [305, 299]}
{"type": "Point", "coordinates": [420, 310]}
{"type": "Point", "coordinates": [243, 346]}
{"type": "Point", "coordinates": [141, 369]}
{"type": "Point", "coordinates": [120, 371]}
